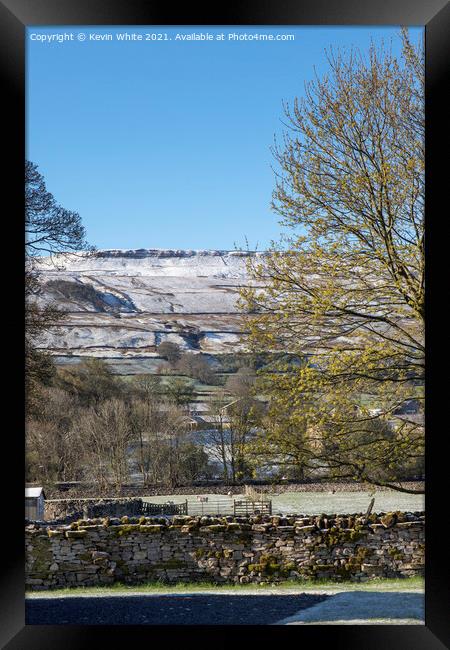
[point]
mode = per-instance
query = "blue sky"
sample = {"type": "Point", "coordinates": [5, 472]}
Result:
{"type": "Point", "coordinates": [166, 144]}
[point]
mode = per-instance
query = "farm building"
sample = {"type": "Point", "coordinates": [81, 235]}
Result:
{"type": "Point", "coordinates": [34, 503]}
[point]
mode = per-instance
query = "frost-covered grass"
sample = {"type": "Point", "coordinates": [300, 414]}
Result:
{"type": "Point", "coordinates": [312, 503]}
{"type": "Point", "coordinates": [346, 502]}
{"type": "Point", "coordinates": [415, 584]}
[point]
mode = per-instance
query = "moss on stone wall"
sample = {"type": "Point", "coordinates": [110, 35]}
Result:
{"type": "Point", "coordinates": [336, 535]}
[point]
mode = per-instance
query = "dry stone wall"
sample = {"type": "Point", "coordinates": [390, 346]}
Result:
{"type": "Point", "coordinates": [90, 508]}
{"type": "Point", "coordinates": [253, 549]}
{"type": "Point", "coordinates": [218, 487]}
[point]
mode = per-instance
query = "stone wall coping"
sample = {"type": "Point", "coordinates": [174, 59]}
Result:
{"type": "Point", "coordinates": [258, 523]}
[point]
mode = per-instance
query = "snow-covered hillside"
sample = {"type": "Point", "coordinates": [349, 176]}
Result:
{"type": "Point", "coordinates": [123, 303]}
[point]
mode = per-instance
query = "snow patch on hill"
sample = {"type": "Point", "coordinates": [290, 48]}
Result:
{"type": "Point", "coordinates": [125, 302]}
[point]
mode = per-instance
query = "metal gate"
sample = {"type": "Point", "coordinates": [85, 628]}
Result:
{"type": "Point", "coordinates": [149, 509]}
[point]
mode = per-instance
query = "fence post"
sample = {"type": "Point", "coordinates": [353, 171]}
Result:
{"type": "Point", "coordinates": [234, 507]}
{"type": "Point", "coordinates": [186, 506]}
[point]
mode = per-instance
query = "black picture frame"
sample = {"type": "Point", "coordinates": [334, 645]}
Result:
{"type": "Point", "coordinates": [15, 16]}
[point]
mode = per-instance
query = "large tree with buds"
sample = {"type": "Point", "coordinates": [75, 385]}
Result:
{"type": "Point", "coordinates": [345, 285]}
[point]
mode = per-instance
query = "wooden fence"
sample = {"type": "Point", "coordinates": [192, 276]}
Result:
{"type": "Point", "coordinates": [246, 507]}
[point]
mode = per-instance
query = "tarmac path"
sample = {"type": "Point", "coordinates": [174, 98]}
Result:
{"type": "Point", "coordinates": [179, 609]}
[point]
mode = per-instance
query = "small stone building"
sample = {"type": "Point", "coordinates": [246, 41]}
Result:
{"type": "Point", "coordinates": [34, 503]}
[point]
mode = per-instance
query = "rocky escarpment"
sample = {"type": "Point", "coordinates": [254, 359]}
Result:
{"type": "Point", "coordinates": [124, 303]}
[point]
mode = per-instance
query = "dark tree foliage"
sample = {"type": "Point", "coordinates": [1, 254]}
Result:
{"type": "Point", "coordinates": [196, 366]}
{"type": "Point", "coordinates": [49, 227]}
{"type": "Point", "coordinates": [91, 382]}
{"type": "Point", "coordinates": [179, 391]}
{"type": "Point", "coordinates": [170, 351]}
